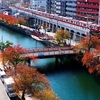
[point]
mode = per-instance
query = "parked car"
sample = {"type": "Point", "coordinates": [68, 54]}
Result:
{"type": "Point", "coordinates": [48, 30]}
{"type": "Point", "coordinates": [2, 76]}
{"type": "Point", "coordinates": [8, 82]}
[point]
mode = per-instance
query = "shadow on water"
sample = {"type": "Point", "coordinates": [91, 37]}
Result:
{"type": "Point", "coordinates": [68, 64]}
{"type": "Point", "coordinates": [88, 85]}
{"type": "Point", "coordinates": [77, 84]}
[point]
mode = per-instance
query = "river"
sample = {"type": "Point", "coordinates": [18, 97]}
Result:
{"type": "Point", "coordinates": [67, 84]}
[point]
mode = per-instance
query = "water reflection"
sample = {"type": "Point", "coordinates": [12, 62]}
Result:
{"type": "Point", "coordinates": [68, 84]}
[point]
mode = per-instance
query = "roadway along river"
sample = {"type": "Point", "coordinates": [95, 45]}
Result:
{"type": "Point", "coordinates": [68, 84]}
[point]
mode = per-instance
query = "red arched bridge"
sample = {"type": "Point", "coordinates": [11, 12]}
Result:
{"type": "Point", "coordinates": [50, 52]}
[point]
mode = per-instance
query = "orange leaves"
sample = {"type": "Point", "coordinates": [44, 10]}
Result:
{"type": "Point", "coordinates": [98, 69]}
{"type": "Point", "coordinates": [91, 70]}
{"type": "Point", "coordinates": [9, 19]}
{"type": "Point", "coordinates": [28, 78]}
{"type": "Point", "coordinates": [21, 21]}
{"type": "Point", "coordinates": [91, 46]}
{"type": "Point", "coordinates": [91, 62]}
{"type": "Point", "coordinates": [87, 58]}
{"type": "Point", "coordinates": [33, 58]}
{"type": "Point", "coordinates": [11, 55]}
{"type": "Point", "coordinates": [49, 95]}
{"type": "Point", "coordinates": [61, 35]}
{"type": "Point", "coordinates": [88, 42]}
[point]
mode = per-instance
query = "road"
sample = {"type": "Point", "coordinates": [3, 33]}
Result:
{"type": "Point", "coordinates": [3, 94]}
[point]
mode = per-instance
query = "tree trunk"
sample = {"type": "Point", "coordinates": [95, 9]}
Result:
{"type": "Point", "coordinates": [23, 95]}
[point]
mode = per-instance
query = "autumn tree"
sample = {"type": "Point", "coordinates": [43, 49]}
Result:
{"type": "Point", "coordinates": [62, 35]}
{"type": "Point", "coordinates": [90, 61]}
{"type": "Point", "coordinates": [29, 80]}
{"type": "Point", "coordinates": [90, 46]}
{"type": "Point", "coordinates": [21, 21]}
{"type": "Point", "coordinates": [87, 43]}
{"type": "Point", "coordinates": [49, 94]}
{"type": "Point", "coordinates": [12, 55]}
{"type": "Point", "coordinates": [3, 46]}
{"type": "Point", "coordinates": [8, 19]}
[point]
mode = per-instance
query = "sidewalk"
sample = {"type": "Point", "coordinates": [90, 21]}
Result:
{"type": "Point", "coordinates": [27, 97]}
{"type": "Point", "coordinates": [52, 34]}
{"type": "Point", "coordinates": [48, 33]}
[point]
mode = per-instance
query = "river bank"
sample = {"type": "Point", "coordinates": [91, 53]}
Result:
{"type": "Point", "coordinates": [68, 84]}
{"type": "Point", "coordinates": [37, 35]}
{"type": "Point", "coordinates": [15, 28]}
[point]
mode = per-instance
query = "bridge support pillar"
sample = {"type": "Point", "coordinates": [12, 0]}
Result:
{"type": "Point", "coordinates": [62, 60]}
{"type": "Point", "coordinates": [29, 62]}
{"type": "Point", "coordinates": [56, 62]}
{"type": "Point", "coordinates": [74, 36]}
{"type": "Point", "coordinates": [52, 27]}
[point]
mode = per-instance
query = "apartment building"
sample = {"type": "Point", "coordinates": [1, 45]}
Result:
{"type": "Point", "coordinates": [60, 6]}
{"type": "Point", "coordinates": [50, 6]}
{"type": "Point", "coordinates": [88, 10]}
{"type": "Point", "coordinates": [78, 9]}
{"type": "Point", "coordinates": [38, 5]}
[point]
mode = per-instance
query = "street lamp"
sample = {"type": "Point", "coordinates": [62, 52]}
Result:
{"type": "Point", "coordinates": [99, 14]}
{"type": "Point", "coordinates": [2, 44]}
{"type": "Point", "coordinates": [2, 47]}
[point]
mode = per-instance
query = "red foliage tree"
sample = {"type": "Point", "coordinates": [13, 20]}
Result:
{"type": "Point", "coordinates": [91, 48]}
{"type": "Point", "coordinates": [12, 55]}
{"type": "Point", "coordinates": [28, 79]}
{"type": "Point", "coordinates": [88, 42]}
{"type": "Point", "coordinates": [90, 61]}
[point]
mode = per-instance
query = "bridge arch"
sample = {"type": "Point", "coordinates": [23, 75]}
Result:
{"type": "Point", "coordinates": [78, 36]}
{"type": "Point", "coordinates": [72, 34]}
{"type": "Point", "coordinates": [62, 28]}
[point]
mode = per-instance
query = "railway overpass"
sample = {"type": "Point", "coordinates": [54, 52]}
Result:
{"type": "Point", "coordinates": [77, 32]}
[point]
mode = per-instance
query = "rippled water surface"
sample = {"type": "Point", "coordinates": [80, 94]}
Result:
{"type": "Point", "coordinates": [68, 84]}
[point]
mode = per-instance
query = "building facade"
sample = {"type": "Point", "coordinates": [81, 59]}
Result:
{"type": "Point", "coordinates": [86, 10]}
{"type": "Point", "coordinates": [38, 5]}
{"type": "Point", "coordinates": [50, 6]}
{"type": "Point", "coordinates": [60, 6]}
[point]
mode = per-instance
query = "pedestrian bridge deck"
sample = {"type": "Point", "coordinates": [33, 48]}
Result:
{"type": "Point", "coordinates": [50, 52]}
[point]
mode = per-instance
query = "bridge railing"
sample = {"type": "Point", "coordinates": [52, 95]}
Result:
{"type": "Point", "coordinates": [49, 49]}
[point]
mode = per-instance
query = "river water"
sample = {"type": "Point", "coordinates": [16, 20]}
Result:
{"type": "Point", "coordinates": [67, 84]}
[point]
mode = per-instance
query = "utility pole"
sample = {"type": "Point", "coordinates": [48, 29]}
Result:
{"type": "Point", "coordinates": [99, 14]}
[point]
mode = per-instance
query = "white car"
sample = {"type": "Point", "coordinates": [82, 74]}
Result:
{"type": "Point", "coordinates": [2, 75]}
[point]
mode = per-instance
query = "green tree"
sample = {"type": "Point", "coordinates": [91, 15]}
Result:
{"type": "Point", "coordinates": [4, 45]}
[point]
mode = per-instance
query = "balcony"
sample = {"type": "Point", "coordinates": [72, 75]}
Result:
{"type": "Point", "coordinates": [86, 11]}
{"type": "Point", "coordinates": [88, 6]}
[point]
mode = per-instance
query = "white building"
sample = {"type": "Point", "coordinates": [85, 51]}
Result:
{"type": "Point", "coordinates": [38, 5]}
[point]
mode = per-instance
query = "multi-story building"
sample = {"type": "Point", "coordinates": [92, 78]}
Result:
{"type": "Point", "coordinates": [38, 5]}
{"type": "Point", "coordinates": [60, 6]}
{"type": "Point", "coordinates": [88, 10]}
{"type": "Point", "coordinates": [50, 6]}
{"type": "Point", "coordinates": [78, 9]}
{"type": "Point", "coordinates": [71, 8]}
